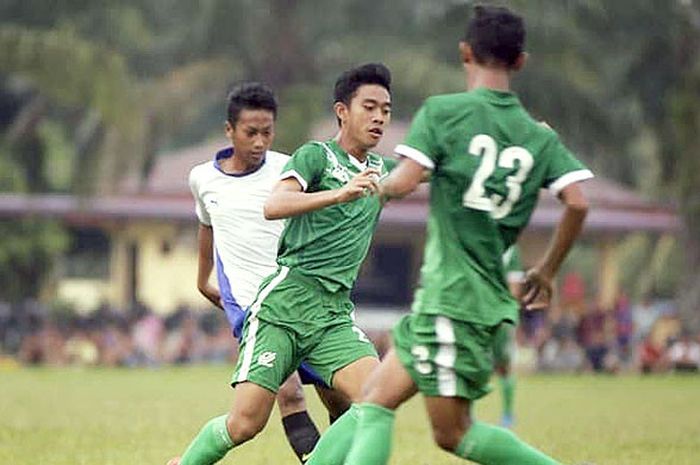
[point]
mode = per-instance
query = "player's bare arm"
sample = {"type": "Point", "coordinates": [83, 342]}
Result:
{"type": "Point", "coordinates": [538, 280]}
{"type": "Point", "coordinates": [288, 199]}
{"type": "Point", "coordinates": [205, 265]}
{"type": "Point", "coordinates": [403, 179]}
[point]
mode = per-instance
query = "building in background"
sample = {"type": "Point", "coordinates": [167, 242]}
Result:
{"type": "Point", "coordinates": [140, 245]}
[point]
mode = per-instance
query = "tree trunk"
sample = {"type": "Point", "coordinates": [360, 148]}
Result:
{"type": "Point", "coordinates": [288, 60]}
{"type": "Point", "coordinates": [687, 119]}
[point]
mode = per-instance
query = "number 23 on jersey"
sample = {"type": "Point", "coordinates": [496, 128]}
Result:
{"type": "Point", "coordinates": [475, 196]}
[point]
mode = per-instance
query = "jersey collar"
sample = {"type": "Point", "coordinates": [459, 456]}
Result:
{"type": "Point", "coordinates": [497, 96]}
{"type": "Point", "coordinates": [354, 161]}
{"type": "Point", "coordinates": [227, 153]}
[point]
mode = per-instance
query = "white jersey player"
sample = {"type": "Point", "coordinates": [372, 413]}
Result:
{"type": "Point", "coordinates": [244, 242]}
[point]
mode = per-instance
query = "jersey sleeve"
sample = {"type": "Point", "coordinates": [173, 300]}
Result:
{"type": "Point", "coordinates": [563, 168]}
{"type": "Point", "coordinates": [389, 163]}
{"type": "Point", "coordinates": [420, 144]}
{"type": "Point", "coordinates": [306, 166]}
{"type": "Point", "coordinates": [200, 209]}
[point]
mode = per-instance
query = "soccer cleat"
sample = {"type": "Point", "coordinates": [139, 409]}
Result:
{"type": "Point", "coordinates": [507, 421]}
{"type": "Point", "coordinates": [174, 461]}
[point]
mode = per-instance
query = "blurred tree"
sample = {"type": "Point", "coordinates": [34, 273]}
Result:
{"type": "Point", "coordinates": [103, 86]}
{"type": "Point", "coordinates": [659, 43]}
{"type": "Point", "coordinates": [28, 248]}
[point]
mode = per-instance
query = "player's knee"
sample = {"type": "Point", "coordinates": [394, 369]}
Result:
{"type": "Point", "coordinates": [243, 428]}
{"type": "Point", "coordinates": [448, 439]}
{"type": "Point", "coordinates": [290, 398]}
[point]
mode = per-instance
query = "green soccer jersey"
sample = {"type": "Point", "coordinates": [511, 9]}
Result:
{"type": "Point", "coordinates": [489, 160]}
{"type": "Point", "coordinates": [330, 244]}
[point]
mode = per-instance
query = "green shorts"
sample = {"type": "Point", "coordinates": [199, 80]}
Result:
{"type": "Point", "coordinates": [445, 357]}
{"type": "Point", "coordinates": [504, 345]}
{"type": "Point", "coordinates": [293, 319]}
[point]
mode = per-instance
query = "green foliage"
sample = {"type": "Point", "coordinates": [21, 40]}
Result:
{"type": "Point", "coordinates": [299, 107]}
{"type": "Point", "coordinates": [9, 179]}
{"type": "Point", "coordinates": [58, 155]}
{"type": "Point", "coordinates": [70, 70]}
{"type": "Point", "coordinates": [27, 251]}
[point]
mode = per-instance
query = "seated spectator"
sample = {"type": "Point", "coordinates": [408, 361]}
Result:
{"type": "Point", "coordinates": [624, 328]}
{"type": "Point", "coordinates": [81, 349]}
{"type": "Point", "coordinates": [651, 356]}
{"type": "Point", "coordinates": [597, 351]}
{"type": "Point", "coordinates": [563, 355]}
{"type": "Point", "coordinates": [684, 354]}
{"type": "Point", "coordinates": [644, 314]}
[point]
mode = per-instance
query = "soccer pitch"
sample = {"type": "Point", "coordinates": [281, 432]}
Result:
{"type": "Point", "coordinates": [142, 416]}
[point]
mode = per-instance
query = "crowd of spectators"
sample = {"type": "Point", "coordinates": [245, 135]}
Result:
{"type": "Point", "coordinates": [647, 337]}
{"type": "Point", "coordinates": [572, 337]}
{"type": "Point", "coordinates": [33, 334]}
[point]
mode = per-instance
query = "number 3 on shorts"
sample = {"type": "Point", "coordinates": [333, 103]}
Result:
{"type": "Point", "coordinates": [360, 334]}
{"type": "Point", "coordinates": [422, 356]}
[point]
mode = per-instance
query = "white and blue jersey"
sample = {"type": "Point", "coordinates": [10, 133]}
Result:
{"type": "Point", "coordinates": [245, 243]}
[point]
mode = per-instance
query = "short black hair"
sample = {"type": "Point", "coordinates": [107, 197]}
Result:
{"type": "Point", "coordinates": [250, 96]}
{"type": "Point", "coordinates": [496, 35]}
{"type": "Point", "coordinates": [371, 73]}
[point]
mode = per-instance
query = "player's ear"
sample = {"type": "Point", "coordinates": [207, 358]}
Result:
{"type": "Point", "coordinates": [520, 61]}
{"type": "Point", "coordinates": [465, 52]}
{"type": "Point", "coordinates": [228, 128]}
{"type": "Point", "coordinates": [341, 111]}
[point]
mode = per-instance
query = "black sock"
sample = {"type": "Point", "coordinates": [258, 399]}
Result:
{"type": "Point", "coordinates": [302, 434]}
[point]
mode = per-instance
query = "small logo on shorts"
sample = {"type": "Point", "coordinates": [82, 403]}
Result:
{"type": "Point", "coordinates": [266, 359]}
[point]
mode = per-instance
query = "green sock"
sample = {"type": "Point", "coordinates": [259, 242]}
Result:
{"type": "Point", "coordinates": [508, 391]}
{"type": "Point", "coordinates": [335, 443]}
{"type": "Point", "coordinates": [372, 443]}
{"type": "Point", "coordinates": [210, 445]}
{"type": "Point", "coordinates": [491, 445]}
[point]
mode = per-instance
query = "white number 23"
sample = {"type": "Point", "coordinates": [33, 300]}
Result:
{"type": "Point", "coordinates": [475, 196]}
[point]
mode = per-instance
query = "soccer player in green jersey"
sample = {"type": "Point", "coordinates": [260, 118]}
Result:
{"type": "Point", "coordinates": [237, 241]}
{"type": "Point", "coordinates": [303, 311]}
{"type": "Point", "coordinates": [488, 159]}
{"type": "Point", "coordinates": [504, 340]}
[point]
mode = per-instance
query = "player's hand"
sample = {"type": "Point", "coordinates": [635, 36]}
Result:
{"type": "Point", "coordinates": [364, 183]}
{"type": "Point", "coordinates": [538, 289]}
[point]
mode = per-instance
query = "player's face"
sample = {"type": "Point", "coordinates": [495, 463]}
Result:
{"type": "Point", "coordinates": [368, 115]}
{"type": "Point", "coordinates": [252, 135]}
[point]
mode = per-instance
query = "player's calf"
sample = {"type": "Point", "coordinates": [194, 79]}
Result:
{"type": "Point", "coordinates": [218, 436]}
{"type": "Point", "coordinates": [449, 419]}
{"type": "Point", "coordinates": [299, 428]}
{"type": "Point", "coordinates": [290, 397]}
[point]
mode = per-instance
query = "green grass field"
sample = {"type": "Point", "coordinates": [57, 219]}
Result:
{"type": "Point", "coordinates": [109, 417]}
